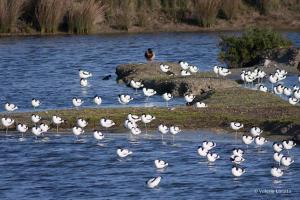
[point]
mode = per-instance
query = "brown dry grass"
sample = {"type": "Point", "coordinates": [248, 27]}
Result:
{"type": "Point", "coordinates": [83, 16]}
{"type": "Point", "coordinates": [10, 11]}
{"type": "Point", "coordinates": [49, 14]}
{"type": "Point", "coordinates": [206, 11]}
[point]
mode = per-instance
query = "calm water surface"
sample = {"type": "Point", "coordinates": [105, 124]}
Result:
{"type": "Point", "coordinates": [47, 67]}
{"type": "Point", "coordinates": [63, 169]}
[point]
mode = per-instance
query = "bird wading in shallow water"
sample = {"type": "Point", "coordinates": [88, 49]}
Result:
{"type": "Point", "coordinates": [149, 55]}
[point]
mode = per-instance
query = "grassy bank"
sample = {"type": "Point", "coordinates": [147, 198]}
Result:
{"type": "Point", "coordinates": [102, 16]}
{"type": "Point", "coordinates": [252, 108]}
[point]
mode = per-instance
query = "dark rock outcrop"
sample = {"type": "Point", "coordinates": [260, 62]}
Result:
{"type": "Point", "coordinates": [152, 77]}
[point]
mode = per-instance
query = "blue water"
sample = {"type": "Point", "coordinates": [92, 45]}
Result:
{"type": "Point", "coordinates": [63, 169]}
{"type": "Point", "coordinates": [47, 67]}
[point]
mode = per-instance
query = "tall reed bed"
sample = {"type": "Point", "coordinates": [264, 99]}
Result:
{"type": "Point", "coordinates": [206, 11]}
{"type": "Point", "coordinates": [10, 12]}
{"type": "Point", "coordinates": [49, 14]}
{"type": "Point", "coordinates": [230, 8]}
{"type": "Point", "coordinates": [267, 6]}
{"type": "Point", "coordinates": [83, 15]}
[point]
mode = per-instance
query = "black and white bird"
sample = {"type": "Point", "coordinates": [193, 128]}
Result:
{"type": "Point", "coordinates": [84, 82]}
{"type": "Point", "coordinates": [160, 164]}
{"type": "Point", "coordinates": [123, 152]}
{"type": "Point", "coordinates": [288, 144]}
{"type": "Point", "coordinates": [164, 68]}
{"type": "Point", "coordinates": [57, 121]}
{"type": "Point", "coordinates": [202, 151]}
{"type": "Point", "coordinates": [277, 157]}
{"type": "Point", "coordinates": [201, 105]}
{"type": "Point", "coordinates": [82, 123]}
{"type": "Point", "coordinates": [278, 89]}
{"type": "Point", "coordinates": [259, 141]}
{"type": "Point", "coordinates": [212, 157]}
{"type": "Point", "coordinates": [35, 118]}
{"type": "Point", "coordinates": [10, 107]}
{"type": "Point", "coordinates": [37, 131]}
{"type": "Point", "coordinates": [22, 128]}
{"type": "Point", "coordinates": [146, 119]}
{"type": "Point", "coordinates": [154, 182]}
{"type": "Point", "coordinates": [262, 88]}
{"type": "Point", "coordinates": [276, 172]}
{"type": "Point", "coordinates": [208, 145]}
{"type": "Point", "coordinates": [77, 102]}
{"type": "Point", "coordinates": [216, 70]}
{"type": "Point", "coordinates": [224, 72]}
{"type": "Point", "coordinates": [238, 152]}
{"type": "Point", "coordinates": [77, 131]}
{"type": "Point", "coordinates": [237, 159]}
{"type": "Point", "coordinates": [106, 123]}
{"type": "Point", "coordinates": [163, 129]}
{"type": "Point", "coordinates": [286, 161]}
{"type": "Point", "coordinates": [237, 171]}
{"type": "Point", "coordinates": [167, 97]}
{"type": "Point", "coordinates": [98, 135]}
{"type": "Point", "coordinates": [133, 118]}
{"type": "Point", "coordinates": [136, 85]}
{"type": "Point", "coordinates": [184, 65]}
{"type": "Point", "coordinates": [189, 97]}
{"type": "Point", "coordinates": [130, 124]}
{"type": "Point", "coordinates": [97, 100]}
{"type": "Point", "coordinates": [7, 122]}
{"type": "Point", "coordinates": [135, 131]}
{"type": "Point", "coordinates": [247, 139]}
{"type": "Point", "coordinates": [185, 73]}
{"type": "Point", "coordinates": [148, 92]}
{"type": "Point", "coordinates": [256, 131]}
{"type": "Point", "coordinates": [236, 126]}
{"type": "Point", "coordinates": [277, 147]}
{"type": "Point", "coordinates": [44, 127]}
{"type": "Point", "coordinates": [124, 99]}
{"type": "Point", "coordinates": [193, 69]}
{"type": "Point", "coordinates": [273, 79]}
{"type": "Point", "coordinates": [174, 130]}
{"type": "Point", "coordinates": [293, 101]}
{"type": "Point", "coordinates": [84, 74]}
{"type": "Point", "coordinates": [35, 103]}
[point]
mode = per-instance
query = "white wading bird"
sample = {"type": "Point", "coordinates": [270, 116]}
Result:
{"type": "Point", "coordinates": [237, 171]}
{"type": "Point", "coordinates": [146, 119]}
{"type": "Point", "coordinates": [160, 164]}
{"type": "Point", "coordinates": [35, 103]}
{"type": "Point", "coordinates": [154, 182]}
{"type": "Point", "coordinates": [122, 153]}
{"type": "Point", "coordinates": [57, 121]}
{"type": "Point", "coordinates": [167, 97]}
{"type": "Point", "coordinates": [77, 102]}
{"type": "Point", "coordinates": [10, 107]}
{"type": "Point", "coordinates": [84, 74]}
{"type": "Point", "coordinates": [163, 129]}
{"type": "Point", "coordinates": [22, 128]}
{"type": "Point", "coordinates": [7, 122]}
{"type": "Point", "coordinates": [136, 85]}
{"type": "Point", "coordinates": [124, 99]}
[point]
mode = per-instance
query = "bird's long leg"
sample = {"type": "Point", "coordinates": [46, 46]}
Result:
{"type": "Point", "coordinates": [146, 128]}
{"type": "Point", "coordinates": [162, 138]}
{"type": "Point", "coordinates": [6, 131]}
{"type": "Point", "coordinates": [56, 129]}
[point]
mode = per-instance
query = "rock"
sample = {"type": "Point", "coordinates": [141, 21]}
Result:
{"type": "Point", "coordinates": [178, 85]}
{"type": "Point", "coordinates": [286, 56]}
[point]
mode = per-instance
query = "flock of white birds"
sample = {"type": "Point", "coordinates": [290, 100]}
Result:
{"type": "Point", "coordinates": [281, 157]}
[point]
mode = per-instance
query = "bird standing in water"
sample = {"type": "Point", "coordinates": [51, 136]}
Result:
{"type": "Point", "coordinates": [149, 55]}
